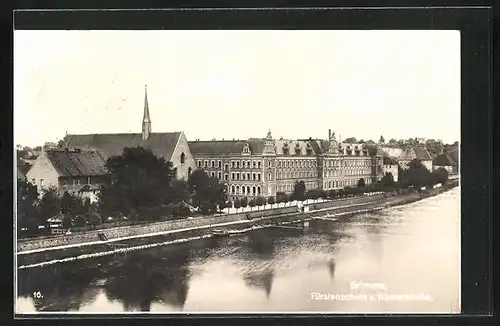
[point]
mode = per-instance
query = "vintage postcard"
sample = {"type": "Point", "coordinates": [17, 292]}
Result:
{"type": "Point", "coordinates": [226, 171]}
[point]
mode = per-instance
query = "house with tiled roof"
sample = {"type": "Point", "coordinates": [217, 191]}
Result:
{"type": "Point", "coordinates": [446, 162]}
{"type": "Point", "coordinates": [172, 146]}
{"type": "Point", "coordinates": [415, 152]}
{"type": "Point", "coordinates": [76, 171]}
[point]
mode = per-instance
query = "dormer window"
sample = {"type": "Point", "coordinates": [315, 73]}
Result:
{"type": "Point", "coordinates": [309, 151]}
{"type": "Point", "coordinates": [297, 151]}
{"type": "Point", "coordinates": [246, 149]}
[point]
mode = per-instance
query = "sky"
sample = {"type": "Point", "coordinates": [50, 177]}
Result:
{"type": "Point", "coordinates": [238, 84]}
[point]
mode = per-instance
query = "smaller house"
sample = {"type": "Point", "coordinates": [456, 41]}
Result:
{"type": "Point", "coordinates": [446, 162]}
{"type": "Point", "coordinates": [391, 166]}
{"type": "Point", "coordinates": [78, 172]}
{"type": "Point", "coordinates": [413, 153]}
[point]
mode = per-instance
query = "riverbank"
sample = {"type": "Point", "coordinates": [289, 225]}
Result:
{"type": "Point", "coordinates": [47, 251]}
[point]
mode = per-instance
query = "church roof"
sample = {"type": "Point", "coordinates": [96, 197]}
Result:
{"type": "Point", "coordinates": [443, 160]}
{"type": "Point", "coordinates": [162, 144]}
{"type": "Point", "coordinates": [77, 163]}
{"type": "Point", "coordinates": [226, 147]}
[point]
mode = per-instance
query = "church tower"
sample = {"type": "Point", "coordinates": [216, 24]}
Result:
{"type": "Point", "coordinates": [146, 120]}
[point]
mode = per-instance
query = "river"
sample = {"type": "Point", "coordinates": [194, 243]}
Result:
{"type": "Point", "coordinates": [403, 259]}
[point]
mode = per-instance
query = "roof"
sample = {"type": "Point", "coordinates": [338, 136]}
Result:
{"type": "Point", "coordinates": [162, 144]}
{"type": "Point", "coordinates": [389, 161]}
{"type": "Point", "coordinates": [443, 160]}
{"type": "Point", "coordinates": [77, 163]}
{"type": "Point", "coordinates": [416, 152]}
{"type": "Point", "coordinates": [224, 147]}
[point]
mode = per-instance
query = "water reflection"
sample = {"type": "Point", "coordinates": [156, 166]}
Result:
{"type": "Point", "coordinates": [274, 269]}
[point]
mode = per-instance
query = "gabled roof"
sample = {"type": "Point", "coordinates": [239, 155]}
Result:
{"type": "Point", "coordinates": [162, 144]}
{"type": "Point", "coordinates": [416, 152]}
{"type": "Point", "coordinates": [443, 160]}
{"type": "Point", "coordinates": [77, 163]}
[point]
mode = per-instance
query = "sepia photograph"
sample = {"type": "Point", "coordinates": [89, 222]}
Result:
{"type": "Point", "coordinates": [237, 171]}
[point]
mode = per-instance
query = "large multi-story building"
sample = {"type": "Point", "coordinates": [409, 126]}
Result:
{"type": "Point", "coordinates": [266, 166]}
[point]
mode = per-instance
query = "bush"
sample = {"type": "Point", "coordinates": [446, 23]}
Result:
{"type": "Point", "coordinates": [270, 200]}
{"type": "Point", "coordinates": [361, 182]}
{"type": "Point", "coordinates": [259, 201]}
{"type": "Point", "coordinates": [281, 197]}
{"type": "Point", "coordinates": [252, 203]}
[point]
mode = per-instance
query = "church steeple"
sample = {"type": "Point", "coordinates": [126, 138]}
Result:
{"type": "Point", "coordinates": [146, 120]}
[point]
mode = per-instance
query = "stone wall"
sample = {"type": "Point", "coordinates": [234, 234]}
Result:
{"type": "Point", "coordinates": [136, 230]}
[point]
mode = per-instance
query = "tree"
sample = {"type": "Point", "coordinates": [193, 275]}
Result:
{"type": "Point", "coordinates": [179, 191]}
{"type": "Point", "coordinates": [271, 201]}
{"type": "Point", "coordinates": [140, 181]}
{"type": "Point", "coordinates": [387, 181]}
{"type": "Point", "coordinates": [299, 191]}
{"type": "Point", "coordinates": [244, 202]}
{"type": "Point", "coordinates": [381, 140]}
{"type": "Point", "coordinates": [350, 140]}
{"type": "Point", "coordinates": [27, 195]}
{"type": "Point", "coordinates": [440, 176]}
{"type": "Point", "coordinates": [260, 201]}
{"type": "Point", "coordinates": [361, 182]}
{"type": "Point", "coordinates": [252, 203]}
{"type": "Point", "coordinates": [237, 203]}
{"type": "Point", "coordinates": [333, 194]}
{"type": "Point", "coordinates": [392, 141]}
{"type": "Point", "coordinates": [416, 175]}
{"type": "Point", "coordinates": [281, 197]}
{"type": "Point", "coordinates": [50, 203]}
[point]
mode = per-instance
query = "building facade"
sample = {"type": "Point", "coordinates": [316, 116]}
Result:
{"type": "Point", "coordinates": [266, 166]}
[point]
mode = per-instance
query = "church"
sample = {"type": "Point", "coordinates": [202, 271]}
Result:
{"type": "Point", "coordinates": [172, 146]}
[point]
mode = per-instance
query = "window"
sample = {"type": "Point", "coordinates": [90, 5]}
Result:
{"type": "Point", "coordinates": [212, 174]}
{"type": "Point", "coordinates": [232, 176]}
{"type": "Point", "coordinates": [206, 163]}
{"type": "Point", "coordinates": [248, 176]}
{"type": "Point", "coordinates": [226, 177]}
{"type": "Point", "coordinates": [213, 164]}
{"type": "Point", "coordinates": [199, 164]}
{"type": "Point", "coordinates": [244, 164]}
{"type": "Point", "coordinates": [190, 170]}
{"type": "Point", "coordinates": [269, 163]}
{"type": "Point", "coordinates": [269, 176]}
{"type": "Point", "coordinates": [226, 166]}
{"type": "Point", "coordinates": [238, 164]}
{"type": "Point", "coordinates": [219, 164]}
{"type": "Point", "coordinates": [258, 176]}
{"type": "Point", "coordinates": [183, 158]}
{"type": "Point", "coordinates": [219, 175]}
{"type": "Point", "coordinates": [253, 176]}
{"type": "Point", "coordinates": [237, 176]}
{"type": "Point", "coordinates": [243, 176]}
{"type": "Point", "coordinates": [232, 164]}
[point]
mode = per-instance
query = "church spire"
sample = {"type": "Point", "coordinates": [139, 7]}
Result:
{"type": "Point", "coordinates": [146, 120]}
